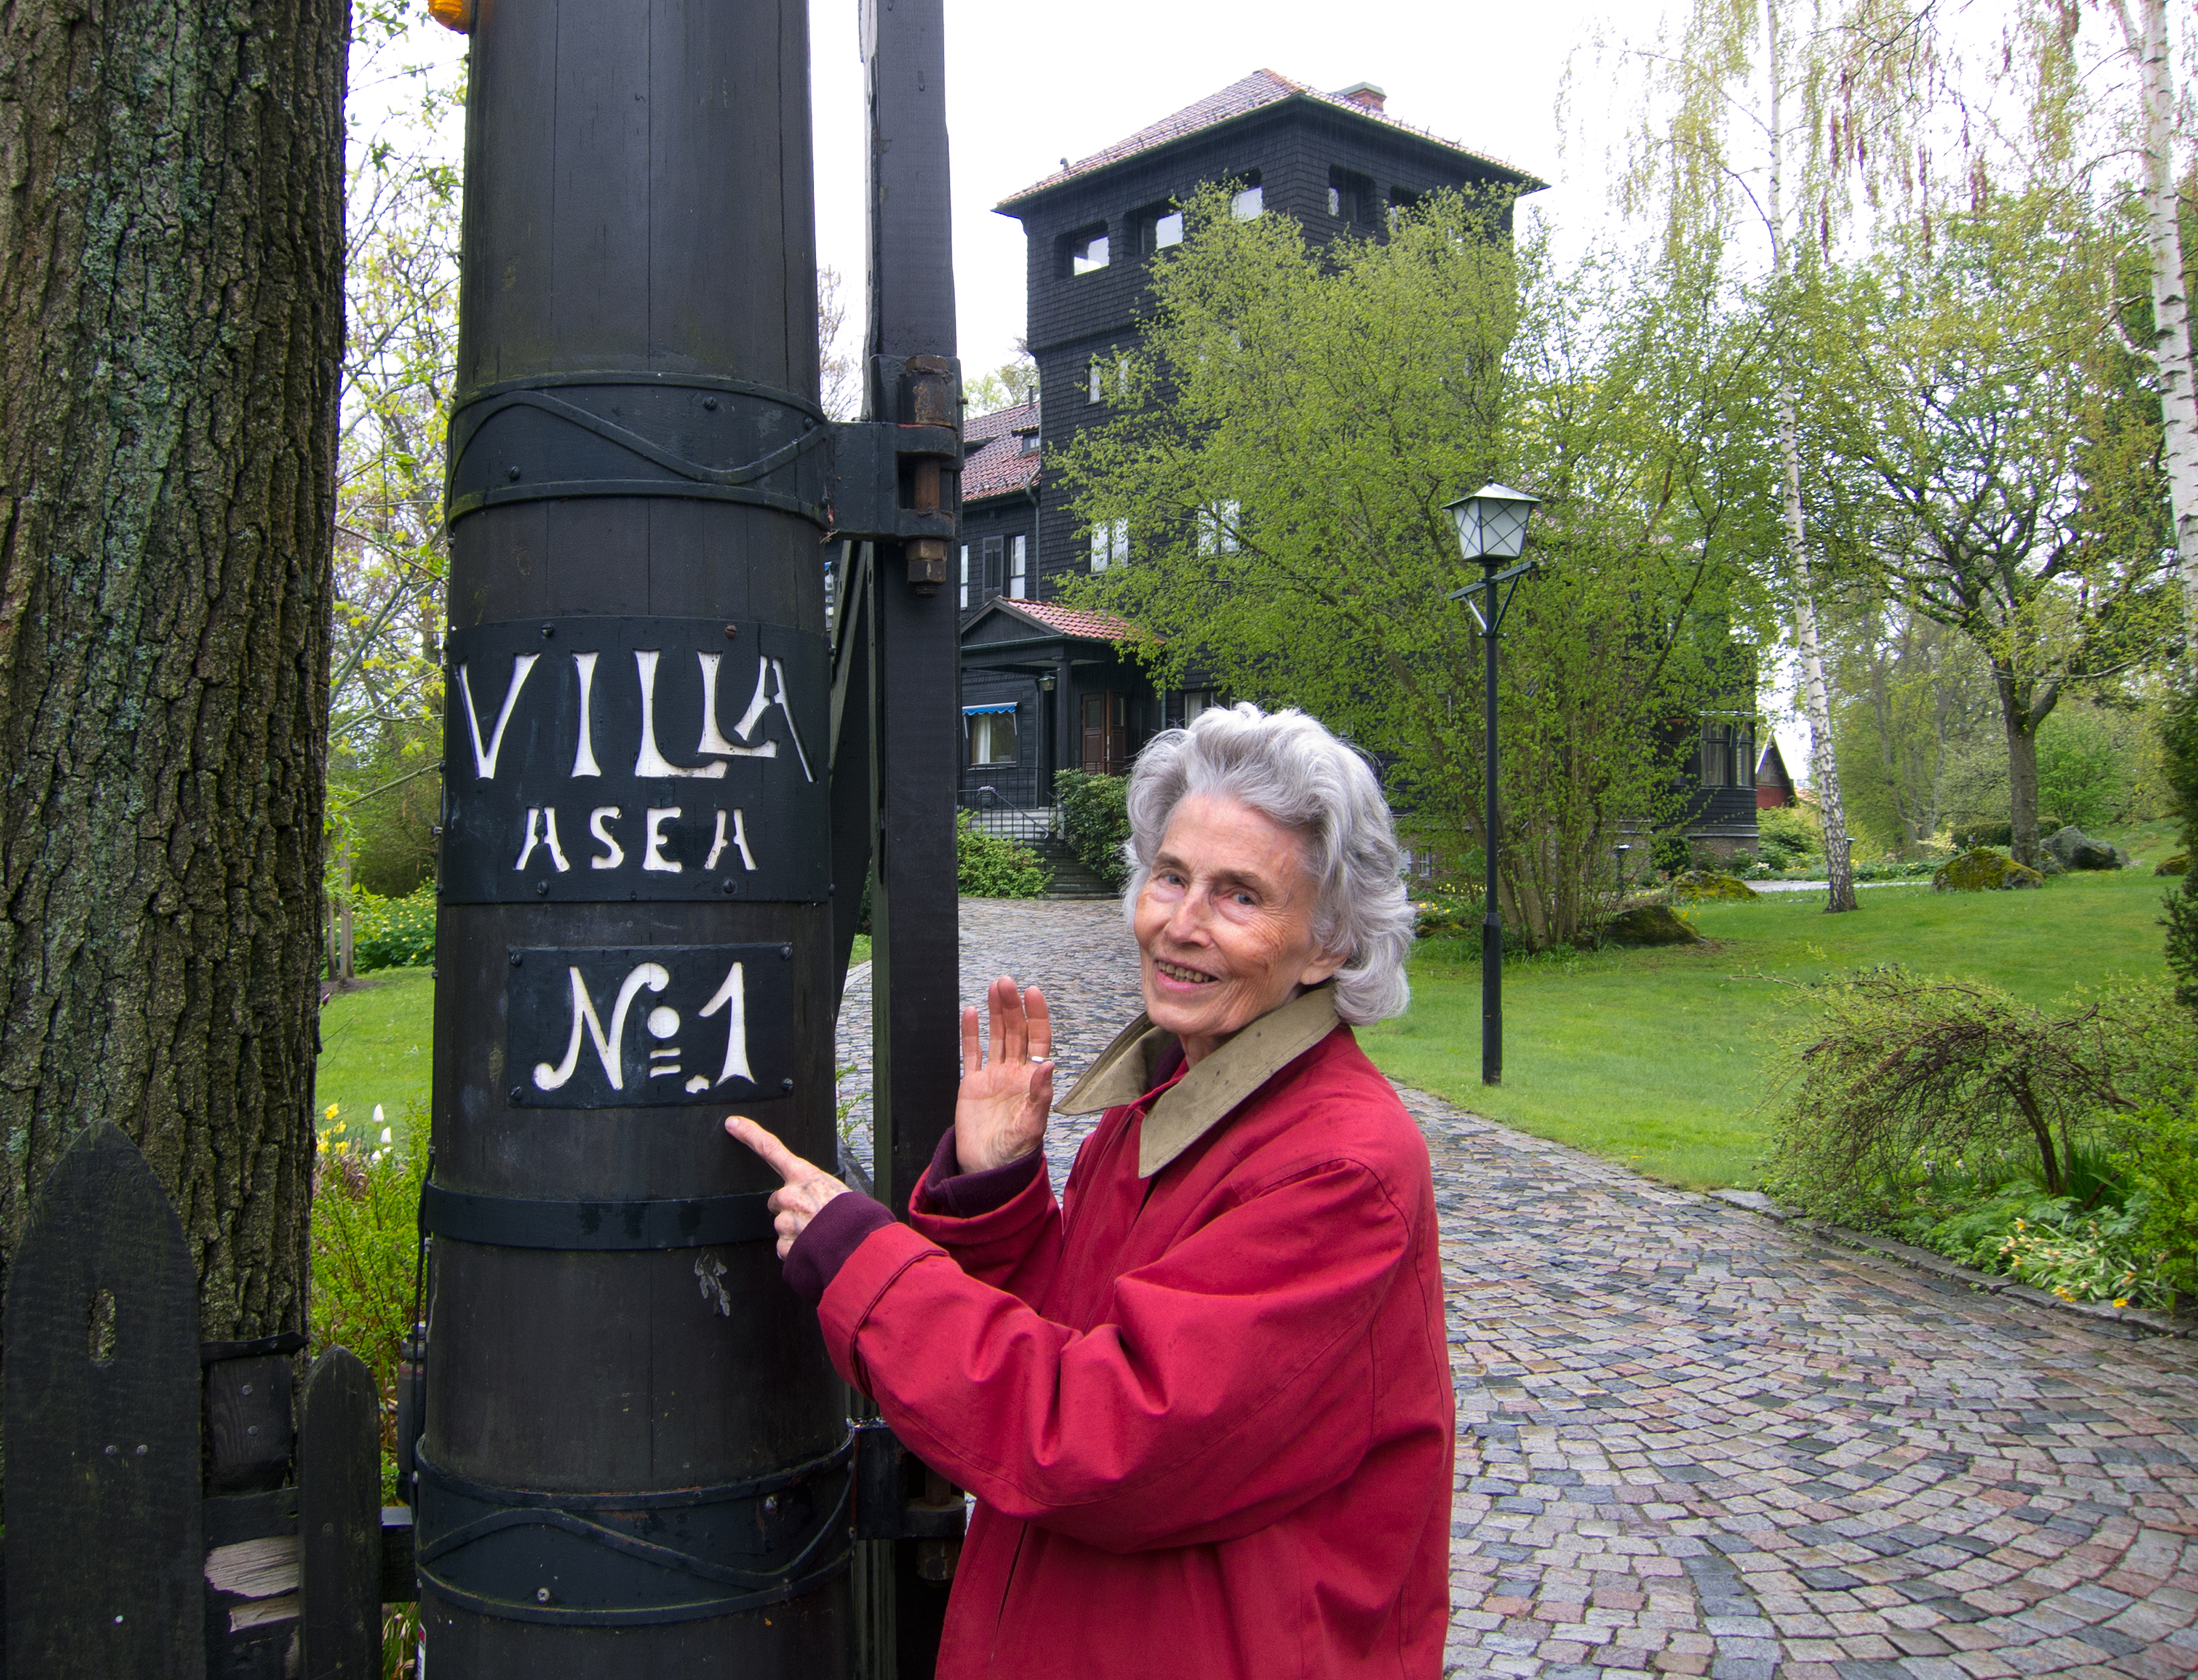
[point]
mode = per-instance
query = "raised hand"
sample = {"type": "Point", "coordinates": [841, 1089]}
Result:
{"type": "Point", "coordinates": [806, 1189]}
{"type": "Point", "coordinates": [1007, 1092]}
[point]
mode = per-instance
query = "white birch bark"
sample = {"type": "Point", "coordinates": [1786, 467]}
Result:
{"type": "Point", "coordinates": [1816, 692]}
{"type": "Point", "coordinates": [2146, 34]}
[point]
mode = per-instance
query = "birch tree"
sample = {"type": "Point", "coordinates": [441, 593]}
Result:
{"type": "Point", "coordinates": [1762, 124]}
{"type": "Point", "coordinates": [2160, 105]}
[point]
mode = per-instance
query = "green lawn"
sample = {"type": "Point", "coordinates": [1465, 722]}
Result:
{"type": "Point", "coordinates": [377, 1043]}
{"type": "Point", "coordinates": [1656, 1057]}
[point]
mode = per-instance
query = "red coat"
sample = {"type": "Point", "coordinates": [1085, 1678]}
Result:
{"type": "Point", "coordinates": [1207, 1417]}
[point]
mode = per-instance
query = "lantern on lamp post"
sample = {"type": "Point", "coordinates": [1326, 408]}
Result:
{"type": "Point", "coordinates": [1492, 529]}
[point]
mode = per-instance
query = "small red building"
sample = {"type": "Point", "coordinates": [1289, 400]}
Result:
{"type": "Point", "coordinates": [1774, 786]}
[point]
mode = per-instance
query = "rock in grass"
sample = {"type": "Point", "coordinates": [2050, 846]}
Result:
{"type": "Point", "coordinates": [1702, 884]}
{"type": "Point", "coordinates": [2079, 851]}
{"type": "Point", "coordinates": [1984, 870]}
{"type": "Point", "coordinates": [2178, 864]}
{"type": "Point", "coordinates": [1651, 925]}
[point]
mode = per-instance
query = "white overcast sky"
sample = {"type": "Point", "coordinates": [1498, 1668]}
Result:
{"type": "Point", "coordinates": [1028, 84]}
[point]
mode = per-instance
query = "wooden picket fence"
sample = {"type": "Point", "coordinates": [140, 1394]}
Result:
{"type": "Point", "coordinates": [174, 1509]}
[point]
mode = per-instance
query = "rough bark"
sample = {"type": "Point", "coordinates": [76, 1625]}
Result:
{"type": "Point", "coordinates": [171, 320]}
{"type": "Point", "coordinates": [2146, 34]}
{"type": "Point", "coordinates": [2024, 706]}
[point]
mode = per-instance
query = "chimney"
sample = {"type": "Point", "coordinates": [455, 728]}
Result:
{"type": "Point", "coordinates": [1365, 95]}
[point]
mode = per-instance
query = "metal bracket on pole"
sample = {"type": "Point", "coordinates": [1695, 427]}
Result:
{"type": "Point", "coordinates": [892, 480]}
{"type": "Point", "coordinates": [1510, 575]}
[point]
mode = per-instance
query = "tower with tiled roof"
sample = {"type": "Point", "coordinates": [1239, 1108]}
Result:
{"type": "Point", "coordinates": [1045, 688]}
{"type": "Point", "coordinates": [1336, 162]}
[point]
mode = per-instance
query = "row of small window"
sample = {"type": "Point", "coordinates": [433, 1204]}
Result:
{"type": "Point", "coordinates": [1353, 200]}
{"type": "Point", "coordinates": [1090, 249]}
{"type": "Point", "coordinates": [1217, 527]}
{"type": "Point", "coordinates": [991, 553]}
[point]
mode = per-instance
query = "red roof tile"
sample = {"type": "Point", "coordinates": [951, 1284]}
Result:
{"type": "Point", "coordinates": [997, 464]}
{"type": "Point", "coordinates": [1261, 88]}
{"type": "Point", "coordinates": [1078, 621]}
{"type": "Point", "coordinates": [1016, 417]}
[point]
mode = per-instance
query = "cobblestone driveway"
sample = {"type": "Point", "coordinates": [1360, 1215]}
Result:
{"type": "Point", "coordinates": [1691, 1442]}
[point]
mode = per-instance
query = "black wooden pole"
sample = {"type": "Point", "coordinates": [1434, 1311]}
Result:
{"type": "Point", "coordinates": [634, 1462]}
{"type": "Point", "coordinates": [915, 952]}
{"type": "Point", "coordinates": [1492, 921]}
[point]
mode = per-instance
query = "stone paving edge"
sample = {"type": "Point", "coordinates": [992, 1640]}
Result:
{"type": "Point", "coordinates": [1923, 1259]}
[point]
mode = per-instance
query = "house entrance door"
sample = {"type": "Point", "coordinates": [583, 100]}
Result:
{"type": "Point", "coordinates": [1106, 733]}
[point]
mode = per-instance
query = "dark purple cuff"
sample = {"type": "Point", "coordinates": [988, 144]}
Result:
{"type": "Point", "coordinates": [827, 1241]}
{"type": "Point", "coordinates": [963, 1195]}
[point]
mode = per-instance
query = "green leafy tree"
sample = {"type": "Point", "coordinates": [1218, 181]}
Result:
{"type": "Point", "coordinates": [1990, 456]}
{"type": "Point", "coordinates": [1306, 416]}
{"type": "Point", "coordinates": [1010, 383]}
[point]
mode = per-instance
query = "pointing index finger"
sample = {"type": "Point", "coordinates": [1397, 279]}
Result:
{"type": "Point", "coordinates": [790, 1166]}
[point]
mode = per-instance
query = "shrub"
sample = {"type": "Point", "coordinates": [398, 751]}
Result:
{"type": "Point", "coordinates": [1790, 828]}
{"type": "Point", "coordinates": [366, 1247]}
{"type": "Point", "coordinates": [989, 866]}
{"type": "Point", "coordinates": [2178, 752]}
{"type": "Point", "coordinates": [1898, 1071]}
{"type": "Point", "coordinates": [1671, 854]}
{"type": "Point", "coordinates": [1094, 818]}
{"type": "Point", "coordinates": [393, 932]}
{"type": "Point", "coordinates": [2050, 1242]}
{"type": "Point", "coordinates": [2159, 1152]}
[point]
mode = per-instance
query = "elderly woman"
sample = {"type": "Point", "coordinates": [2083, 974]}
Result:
{"type": "Point", "coordinates": [1203, 1399]}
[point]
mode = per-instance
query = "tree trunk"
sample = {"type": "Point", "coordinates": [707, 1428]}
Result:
{"type": "Point", "coordinates": [171, 320]}
{"type": "Point", "coordinates": [2146, 34]}
{"type": "Point", "coordinates": [2022, 768]}
{"type": "Point", "coordinates": [1816, 693]}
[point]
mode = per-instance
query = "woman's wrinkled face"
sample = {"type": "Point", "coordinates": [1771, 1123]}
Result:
{"type": "Point", "coordinates": [1224, 922]}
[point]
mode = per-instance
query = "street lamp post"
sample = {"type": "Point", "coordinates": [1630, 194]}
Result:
{"type": "Point", "coordinates": [1491, 528]}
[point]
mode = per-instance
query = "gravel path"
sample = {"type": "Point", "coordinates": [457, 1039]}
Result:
{"type": "Point", "coordinates": [1692, 1442]}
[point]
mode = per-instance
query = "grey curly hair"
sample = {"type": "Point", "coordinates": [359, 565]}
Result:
{"type": "Point", "coordinates": [1287, 767]}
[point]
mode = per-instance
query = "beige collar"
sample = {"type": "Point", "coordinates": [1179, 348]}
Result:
{"type": "Point", "coordinates": [1208, 1093]}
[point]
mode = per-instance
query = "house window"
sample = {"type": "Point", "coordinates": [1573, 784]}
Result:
{"type": "Point", "coordinates": [991, 734]}
{"type": "Point", "coordinates": [1110, 543]}
{"type": "Point", "coordinates": [965, 577]}
{"type": "Point", "coordinates": [1159, 226]}
{"type": "Point", "coordinates": [1196, 701]}
{"type": "Point", "coordinates": [1350, 198]}
{"type": "Point", "coordinates": [1402, 203]}
{"type": "Point", "coordinates": [1018, 576]}
{"type": "Point", "coordinates": [1098, 391]}
{"type": "Point", "coordinates": [1122, 377]}
{"type": "Point", "coordinates": [1716, 755]}
{"type": "Point", "coordinates": [1248, 203]}
{"type": "Point", "coordinates": [1087, 250]}
{"type": "Point", "coordinates": [993, 545]}
{"type": "Point", "coordinates": [1029, 441]}
{"type": "Point", "coordinates": [1217, 526]}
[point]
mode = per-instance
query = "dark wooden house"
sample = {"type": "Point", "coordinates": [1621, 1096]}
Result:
{"type": "Point", "coordinates": [1045, 688]}
{"type": "Point", "coordinates": [999, 508]}
{"type": "Point", "coordinates": [1336, 162]}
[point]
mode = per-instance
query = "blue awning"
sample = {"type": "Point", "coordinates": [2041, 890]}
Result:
{"type": "Point", "coordinates": [971, 711]}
